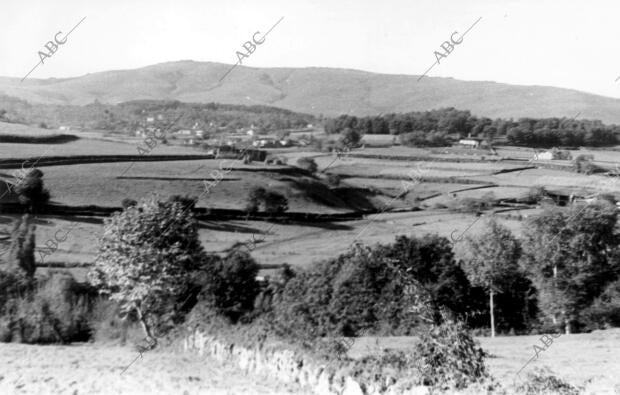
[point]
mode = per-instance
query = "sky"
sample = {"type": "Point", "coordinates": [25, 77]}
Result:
{"type": "Point", "coordinates": [569, 44]}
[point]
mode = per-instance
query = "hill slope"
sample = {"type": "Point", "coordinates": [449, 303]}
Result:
{"type": "Point", "coordinates": [313, 90]}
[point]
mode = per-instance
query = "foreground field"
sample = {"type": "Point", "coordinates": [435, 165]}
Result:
{"type": "Point", "coordinates": [587, 359]}
{"type": "Point", "coordinates": [94, 369]}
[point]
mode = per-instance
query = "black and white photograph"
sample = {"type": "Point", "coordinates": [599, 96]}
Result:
{"type": "Point", "coordinates": [331, 197]}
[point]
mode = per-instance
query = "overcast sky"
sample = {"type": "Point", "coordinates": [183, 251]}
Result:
{"type": "Point", "coordinates": [571, 44]}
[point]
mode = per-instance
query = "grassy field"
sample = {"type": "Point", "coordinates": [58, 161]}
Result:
{"type": "Point", "coordinates": [588, 359]}
{"type": "Point", "coordinates": [96, 369]}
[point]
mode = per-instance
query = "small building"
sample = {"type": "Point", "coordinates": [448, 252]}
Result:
{"type": "Point", "coordinates": [544, 155]}
{"type": "Point", "coordinates": [150, 119]}
{"type": "Point", "coordinates": [64, 128]}
{"type": "Point", "coordinates": [469, 143]}
{"type": "Point", "coordinates": [553, 154]}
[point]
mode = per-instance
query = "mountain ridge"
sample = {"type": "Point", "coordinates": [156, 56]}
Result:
{"type": "Point", "coordinates": [315, 90]}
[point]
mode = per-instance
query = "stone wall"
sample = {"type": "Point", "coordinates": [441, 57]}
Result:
{"type": "Point", "coordinates": [289, 366]}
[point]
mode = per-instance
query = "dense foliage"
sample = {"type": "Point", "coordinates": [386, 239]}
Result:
{"type": "Point", "coordinates": [433, 128]}
{"type": "Point", "coordinates": [147, 258]}
{"type": "Point", "coordinates": [572, 255]}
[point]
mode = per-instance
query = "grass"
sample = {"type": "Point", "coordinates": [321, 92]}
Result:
{"type": "Point", "coordinates": [578, 358]}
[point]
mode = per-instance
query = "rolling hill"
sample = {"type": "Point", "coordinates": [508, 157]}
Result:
{"type": "Point", "coordinates": [325, 91]}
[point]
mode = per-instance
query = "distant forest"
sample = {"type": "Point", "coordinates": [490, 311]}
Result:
{"type": "Point", "coordinates": [436, 127]}
{"type": "Point", "coordinates": [129, 116]}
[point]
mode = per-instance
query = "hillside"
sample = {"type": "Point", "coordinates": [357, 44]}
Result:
{"type": "Point", "coordinates": [313, 90]}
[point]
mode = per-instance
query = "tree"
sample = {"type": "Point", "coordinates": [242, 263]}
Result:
{"type": "Point", "coordinates": [231, 288]}
{"type": "Point", "coordinates": [571, 255]}
{"type": "Point", "coordinates": [148, 256]}
{"type": "Point", "coordinates": [275, 202]}
{"type": "Point", "coordinates": [21, 253]}
{"type": "Point", "coordinates": [308, 164]}
{"type": "Point", "coordinates": [350, 138]}
{"type": "Point", "coordinates": [256, 196]}
{"type": "Point", "coordinates": [492, 259]}
{"type": "Point", "coordinates": [31, 191]}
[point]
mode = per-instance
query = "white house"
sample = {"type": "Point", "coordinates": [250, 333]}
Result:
{"type": "Point", "coordinates": [544, 155]}
{"type": "Point", "coordinates": [471, 143]}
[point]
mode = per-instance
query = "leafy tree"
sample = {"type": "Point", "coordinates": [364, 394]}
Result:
{"type": "Point", "coordinates": [256, 196]}
{"type": "Point", "coordinates": [31, 191]}
{"type": "Point", "coordinates": [308, 164]}
{"type": "Point", "coordinates": [275, 202]}
{"type": "Point", "coordinates": [147, 258]}
{"type": "Point", "coordinates": [492, 260]}
{"type": "Point", "coordinates": [571, 255]}
{"type": "Point", "coordinates": [429, 261]}
{"type": "Point", "coordinates": [350, 138]}
{"type": "Point", "coordinates": [231, 286]}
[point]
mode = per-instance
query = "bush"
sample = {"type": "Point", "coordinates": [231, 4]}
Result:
{"type": "Point", "coordinates": [275, 202]}
{"type": "Point", "coordinates": [543, 382]}
{"type": "Point", "coordinates": [30, 190]}
{"type": "Point", "coordinates": [307, 164]}
{"type": "Point", "coordinates": [256, 196]}
{"type": "Point", "coordinates": [56, 312]}
{"type": "Point", "coordinates": [448, 357]}
{"type": "Point", "coordinates": [230, 286]}
{"type": "Point", "coordinates": [333, 180]}
{"type": "Point", "coordinates": [126, 203]}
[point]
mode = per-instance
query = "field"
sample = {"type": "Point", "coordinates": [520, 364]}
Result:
{"type": "Point", "coordinates": [582, 359]}
{"type": "Point", "coordinates": [98, 369]}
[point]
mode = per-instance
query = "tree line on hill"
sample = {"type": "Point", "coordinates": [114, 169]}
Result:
{"type": "Point", "coordinates": [436, 127]}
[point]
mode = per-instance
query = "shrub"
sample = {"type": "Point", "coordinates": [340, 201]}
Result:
{"type": "Point", "coordinates": [57, 311]}
{"type": "Point", "coordinates": [333, 180]}
{"type": "Point", "coordinates": [256, 196]}
{"type": "Point", "coordinates": [126, 203]}
{"type": "Point", "coordinates": [31, 191]}
{"type": "Point", "coordinates": [308, 164]}
{"type": "Point", "coordinates": [230, 286]}
{"type": "Point", "coordinates": [543, 382]}
{"type": "Point", "coordinates": [448, 357]}
{"type": "Point", "coordinates": [349, 138]}
{"type": "Point", "coordinates": [275, 202]}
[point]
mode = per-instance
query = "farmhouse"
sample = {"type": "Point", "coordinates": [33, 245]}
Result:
{"type": "Point", "coordinates": [553, 154]}
{"type": "Point", "coordinates": [470, 143]}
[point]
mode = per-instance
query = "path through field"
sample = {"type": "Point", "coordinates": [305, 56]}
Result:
{"type": "Point", "coordinates": [96, 369]}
